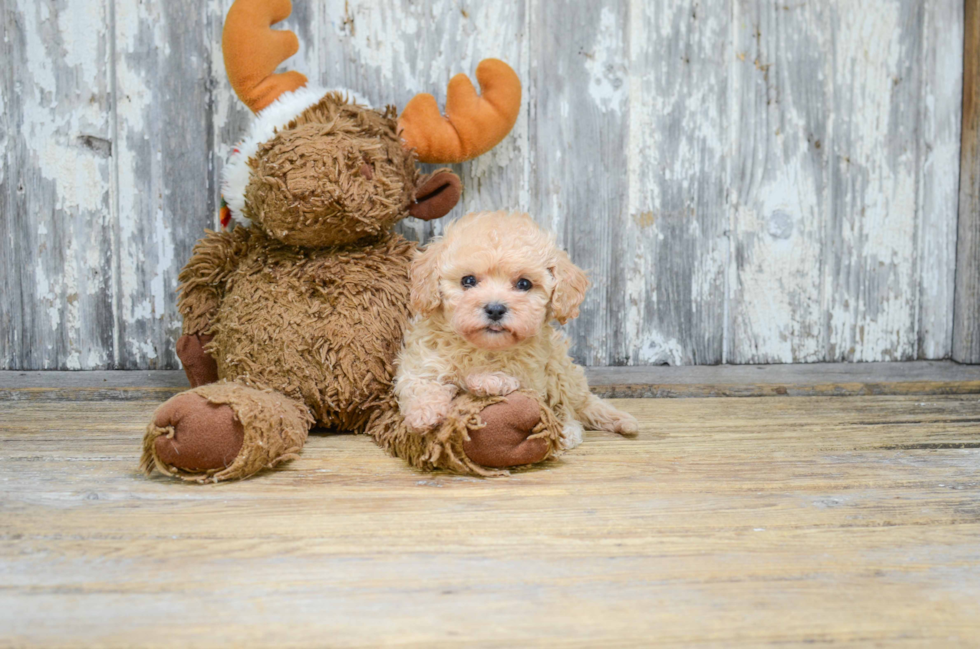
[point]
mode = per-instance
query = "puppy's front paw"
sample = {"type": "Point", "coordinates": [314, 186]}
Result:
{"type": "Point", "coordinates": [423, 418]}
{"type": "Point", "coordinates": [491, 384]}
{"type": "Point", "coordinates": [571, 435]}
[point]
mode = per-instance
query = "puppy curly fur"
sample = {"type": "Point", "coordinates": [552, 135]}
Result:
{"type": "Point", "coordinates": [459, 342]}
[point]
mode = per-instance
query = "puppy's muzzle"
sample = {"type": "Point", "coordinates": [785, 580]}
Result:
{"type": "Point", "coordinates": [495, 311]}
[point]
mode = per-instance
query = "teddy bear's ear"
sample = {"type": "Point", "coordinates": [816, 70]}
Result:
{"type": "Point", "coordinates": [473, 124]}
{"type": "Point", "coordinates": [570, 286]}
{"type": "Point", "coordinates": [425, 297]}
{"type": "Point", "coordinates": [436, 195]}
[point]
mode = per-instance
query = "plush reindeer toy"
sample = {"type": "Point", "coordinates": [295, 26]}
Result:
{"type": "Point", "coordinates": [294, 317]}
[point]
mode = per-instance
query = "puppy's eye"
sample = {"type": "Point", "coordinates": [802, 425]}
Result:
{"type": "Point", "coordinates": [524, 284]}
{"type": "Point", "coordinates": [468, 282]}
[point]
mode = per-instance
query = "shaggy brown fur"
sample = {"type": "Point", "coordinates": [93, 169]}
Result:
{"type": "Point", "coordinates": [310, 186]}
{"type": "Point", "coordinates": [306, 308]}
{"type": "Point", "coordinates": [443, 447]}
{"type": "Point", "coordinates": [322, 326]}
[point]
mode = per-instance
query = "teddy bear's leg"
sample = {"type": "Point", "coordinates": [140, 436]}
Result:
{"type": "Point", "coordinates": [224, 431]}
{"type": "Point", "coordinates": [481, 436]}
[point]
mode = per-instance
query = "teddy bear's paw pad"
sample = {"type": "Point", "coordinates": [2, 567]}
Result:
{"type": "Point", "coordinates": [200, 368]}
{"type": "Point", "coordinates": [504, 442]}
{"type": "Point", "coordinates": [205, 436]}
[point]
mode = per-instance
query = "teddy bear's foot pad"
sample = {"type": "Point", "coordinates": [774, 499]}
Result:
{"type": "Point", "coordinates": [224, 431]}
{"type": "Point", "coordinates": [506, 439]}
{"type": "Point", "coordinates": [205, 436]}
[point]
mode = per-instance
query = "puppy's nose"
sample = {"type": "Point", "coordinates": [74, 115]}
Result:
{"type": "Point", "coordinates": [495, 311]}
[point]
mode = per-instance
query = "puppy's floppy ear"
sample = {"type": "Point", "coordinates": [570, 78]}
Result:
{"type": "Point", "coordinates": [425, 296]}
{"type": "Point", "coordinates": [570, 286]}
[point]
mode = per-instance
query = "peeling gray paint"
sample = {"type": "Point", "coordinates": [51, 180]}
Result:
{"type": "Point", "coordinates": [745, 181]}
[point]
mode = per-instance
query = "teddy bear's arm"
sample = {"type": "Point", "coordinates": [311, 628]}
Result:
{"type": "Point", "coordinates": [206, 276]}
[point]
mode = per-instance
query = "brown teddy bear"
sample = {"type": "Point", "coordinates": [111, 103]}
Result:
{"type": "Point", "coordinates": [294, 318]}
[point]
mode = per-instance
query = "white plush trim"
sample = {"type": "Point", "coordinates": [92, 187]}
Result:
{"type": "Point", "coordinates": [289, 105]}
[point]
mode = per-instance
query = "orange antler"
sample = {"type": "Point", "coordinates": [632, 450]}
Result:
{"type": "Point", "coordinates": [473, 124]}
{"type": "Point", "coordinates": [252, 50]}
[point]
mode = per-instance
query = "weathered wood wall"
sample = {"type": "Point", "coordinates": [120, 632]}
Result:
{"type": "Point", "coordinates": [748, 181]}
{"type": "Point", "coordinates": [966, 308]}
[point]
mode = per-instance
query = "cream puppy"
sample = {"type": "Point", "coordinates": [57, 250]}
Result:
{"type": "Point", "coordinates": [484, 297]}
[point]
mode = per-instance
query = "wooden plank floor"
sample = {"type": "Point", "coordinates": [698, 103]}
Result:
{"type": "Point", "coordinates": [660, 381]}
{"type": "Point", "coordinates": [729, 521]}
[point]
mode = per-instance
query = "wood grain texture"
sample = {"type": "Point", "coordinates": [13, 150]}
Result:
{"type": "Point", "coordinates": [849, 163]}
{"type": "Point", "coordinates": [966, 327]}
{"type": "Point", "coordinates": [728, 522]}
{"type": "Point", "coordinates": [941, 59]}
{"type": "Point", "coordinates": [872, 158]}
{"type": "Point", "coordinates": [56, 226]}
{"type": "Point", "coordinates": [163, 203]}
{"type": "Point", "coordinates": [579, 132]}
{"type": "Point", "coordinates": [674, 246]}
{"type": "Point", "coordinates": [810, 379]}
{"type": "Point", "coordinates": [745, 181]}
{"type": "Point", "coordinates": [778, 174]}
{"type": "Point", "coordinates": [804, 380]}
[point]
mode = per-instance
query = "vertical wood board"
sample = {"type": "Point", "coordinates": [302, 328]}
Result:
{"type": "Point", "coordinates": [966, 326]}
{"type": "Point", "coordinates": [938, 179]}
{"type": "Point", "coordinates": [580, 110]}
{"type": "Point", "coordinates": [673, 247]}
{"type": "Point", "coordinates": [778, 183]}
{"type": "Point", "coordinates": [163, 135]}
{"type": "Point", "coordinates": [56, 229]}
{"type": "Point", "coordinates": [845, 182]}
